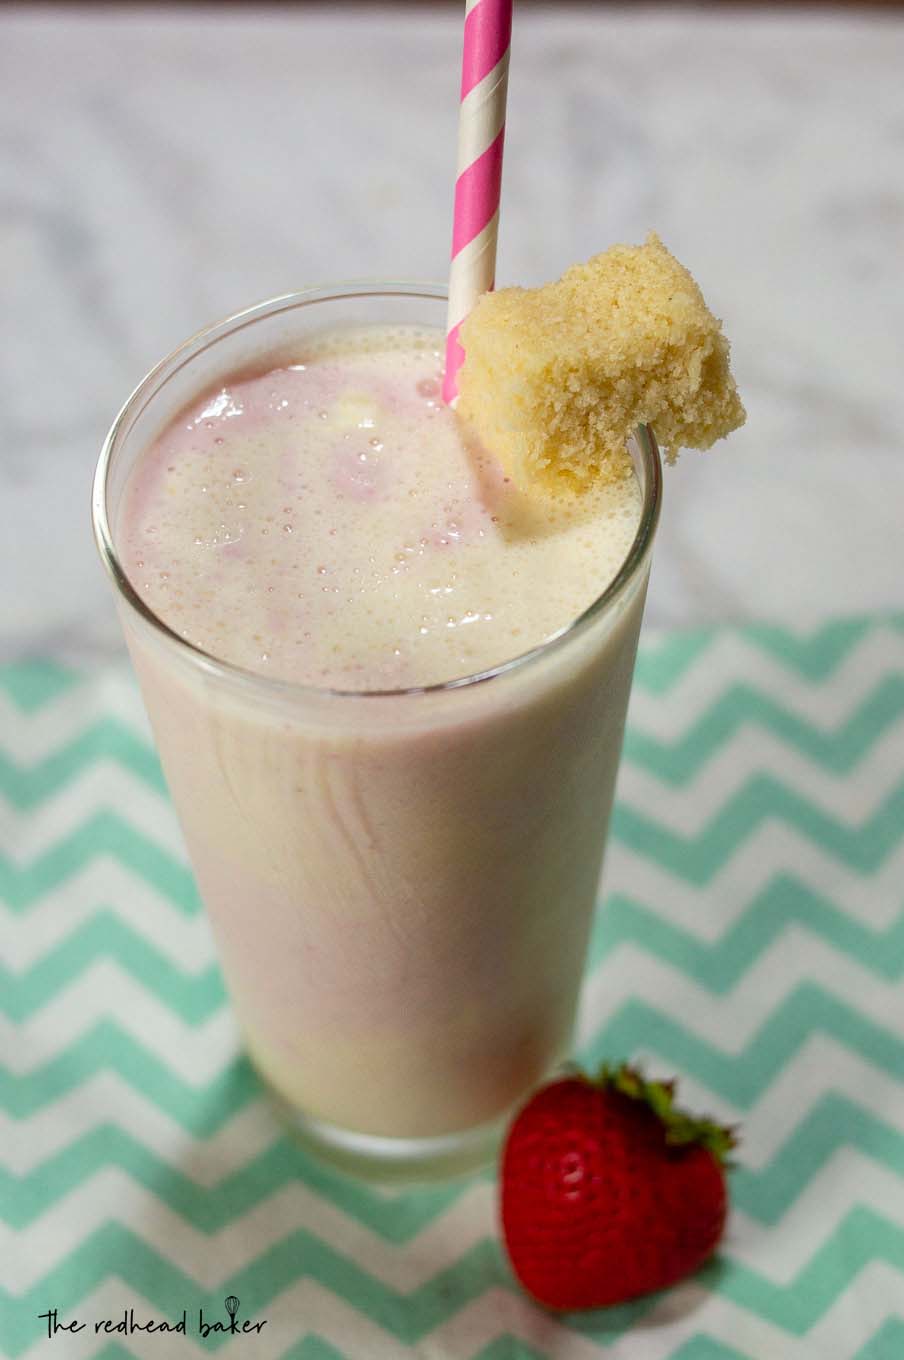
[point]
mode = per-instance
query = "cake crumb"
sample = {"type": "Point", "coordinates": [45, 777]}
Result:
{"type": "Point", "coordinates": [555, 379]}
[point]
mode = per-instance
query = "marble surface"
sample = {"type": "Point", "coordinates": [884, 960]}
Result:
{"type": "Point", "coordinates": [160, 169]}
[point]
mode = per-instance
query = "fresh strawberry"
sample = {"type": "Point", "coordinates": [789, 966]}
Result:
{"type": "Point", "coordinates": [608, 1191]}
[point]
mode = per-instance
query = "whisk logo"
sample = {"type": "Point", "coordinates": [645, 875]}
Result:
{"type": "Point", "coordinates": [231, 1304]}
{"type": "Point", "coordinates": [128, 1324]}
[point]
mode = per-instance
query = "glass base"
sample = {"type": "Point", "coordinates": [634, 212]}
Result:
{"type": "Point", "coordinates": [394, 1161]}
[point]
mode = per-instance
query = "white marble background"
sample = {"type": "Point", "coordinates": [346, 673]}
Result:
{"type": "Point", "coordinates": [161, 168]}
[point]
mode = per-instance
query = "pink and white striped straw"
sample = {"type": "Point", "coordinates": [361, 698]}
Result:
{"type": "Point", "coordinates": [481, 130]}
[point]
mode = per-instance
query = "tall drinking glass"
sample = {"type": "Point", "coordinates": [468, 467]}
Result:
{"type": "Point", "coordinates": [400, 883]}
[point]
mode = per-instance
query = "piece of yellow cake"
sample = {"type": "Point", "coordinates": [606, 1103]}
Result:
{"type": "Point", "coordinates": [556, 378]}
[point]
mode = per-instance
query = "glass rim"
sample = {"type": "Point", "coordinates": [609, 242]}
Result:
{"type": "Point", "coordinates": [218, 667]}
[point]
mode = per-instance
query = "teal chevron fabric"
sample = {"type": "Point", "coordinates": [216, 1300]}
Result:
{"type": "Point", "coordinates": [750, 939]}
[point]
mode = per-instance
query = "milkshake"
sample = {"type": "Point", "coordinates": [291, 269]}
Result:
{"type": "Point", "coordinates": [388, 689]}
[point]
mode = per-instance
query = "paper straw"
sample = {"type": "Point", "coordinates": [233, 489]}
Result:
{"type": "Point", "coordinates": [481, 131]}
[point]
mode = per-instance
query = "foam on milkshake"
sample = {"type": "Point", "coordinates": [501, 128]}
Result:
{"type": "Point", "coordinates": [327, 522]}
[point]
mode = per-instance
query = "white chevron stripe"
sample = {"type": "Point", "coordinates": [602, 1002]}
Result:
{"type": "Point", "coordinates": [731, 659]}
{"type": "Point", "coordinates": [850, 798]}
{"type": "Point", "coordinates": [196, 1054]}
{"type": "Point", "coordinates": [111, 1195]}
{"type": "Point", "coordinates": [707, 911]}
{"type": "Point", "coordinates": [305, 1307]}
{"type": "Point", "coordinates": [482, 115]}
{"type": "Point", "coordinates": [681, 1314]}
{"type": "Point", "coordinates": [860, 1311]}
{"type": "Point", "coordinates": [308, 1307]}
{"type": "Point", "coordinates": [774, 848]}
{"type": "Point", "coordinates": [106, 1098]}
{"type": "Point", "coordinates": [29, 738]}
{"type": "Point", "coordinates": [100, 787]}
{"type": "Point", "coordinates": [732, 1019]}
{"type": "Point", "coordinates": [822, 1066]}
{"type": "Point", "coordinates": [103, 884]}
{"type": "Point", "coordinates": [847, 1181]}
{"type": "Point", "coordinates": [102, 991]}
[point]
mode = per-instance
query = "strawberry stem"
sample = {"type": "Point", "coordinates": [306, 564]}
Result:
{"type": "Point", "coordinates": [682, 1129]}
